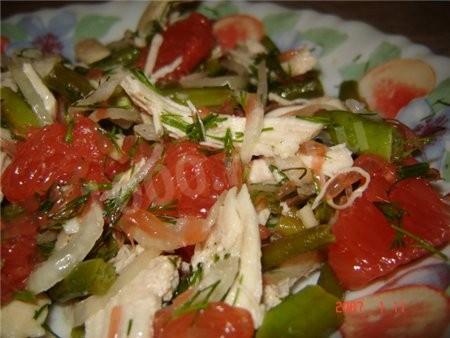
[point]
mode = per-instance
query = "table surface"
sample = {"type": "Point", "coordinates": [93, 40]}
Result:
{"type": "Point", "coordinates": [425, 23]}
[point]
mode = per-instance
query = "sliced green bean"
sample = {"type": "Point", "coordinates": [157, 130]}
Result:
{"type": "Point", "coordinates": [91, 277]}
{"type": "Point", "coordinates": [124, 57]}
{"type": "Point", "coordinates": [18, 115]}
{"type": "Point", "coordinates": [288, 225]}
{"type": "Point", "coordinates": [67, 82]}
{"type": "Point", "coordinates": [310, 313]}
{"type": "Point", "coordinates": [307, 86]}
{"type": "Point", "coordinates": [280, 250]}
{"type": "Point", "coordinates": [202, 97]}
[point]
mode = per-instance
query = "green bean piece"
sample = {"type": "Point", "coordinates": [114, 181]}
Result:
{"type": "Point", "coordinates": [78, 332]}
{"type": "Point", "coordinates": [323, 213]}
{"type": "Point", "coordinates": [67, 83]}
{"type": "Point", "coordinates": [91, 277]}
{"type": "Point", "coordinates": [310, 313]}
{"type": "Point", "coordinates": [306, 86]}
{"type": "Point", "coordinates": [201, 97]}
{"type": "Point", "coordinates": [277, 252]}
{"type": "Point", "coordinates": [329, 282]}
{"type": "Point", "coordinates": [349, 90]}
{"type": "Point", "coordinates": [288, 225]}
{"type": "Point", "coordinates": [18, 115]}
{"type": "Point", "coordinates": [362, 134]}
{"type": "Point", "coordinates": [124, 57]}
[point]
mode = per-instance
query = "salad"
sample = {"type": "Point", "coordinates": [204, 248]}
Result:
{"type": "Point", "coordinates": [193, 180]}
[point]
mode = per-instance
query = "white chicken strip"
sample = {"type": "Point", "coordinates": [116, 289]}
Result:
{"type": "Point", "coordinates": [235, 239]}
{"type": "Point", "coordinates": [21, 319]}
{"type": "Point", "coordinates": [152, 102]}
{"type": "Point", "coordinates": [337, 158]}
{"type": "Point", "coordinates": [131, 311]}
{"type": "Point", "coordinates": [247, 290]}
{"type": "Point", "coordinates": [280, 136]}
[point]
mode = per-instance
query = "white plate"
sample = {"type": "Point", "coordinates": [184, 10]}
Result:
{"type": "Point", "coordinates": [346, 50]}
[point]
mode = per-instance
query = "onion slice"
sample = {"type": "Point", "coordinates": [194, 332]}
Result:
{"type": "Point", "coordinates": [147, 131]}
{"type": "Point", "coordinates": [104, 90]}
{"type": "Point", "coordinates": [61, 262]}
{"type": "Point", "coordinates": [253, 126]}
{"type": "Point", "coordinates": [124, 114]}
{"type": "Point", "coordinates": [88, 307]}
{"type": "Point", "coordinates": [35, 92]}
{"type": "Point", "coordinates": [355, 194]}
{"type": "Point", "coordinates": [262, 82]}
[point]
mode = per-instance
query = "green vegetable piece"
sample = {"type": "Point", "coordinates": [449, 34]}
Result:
{"type": "Point", "coordinates": [349, 90]}
{"type": "Point", "coordinates": [361, 134]}
{"type": "Point", "coordinates": [70, 210]}
{"type": "Point", "coordinates": [329, 282]}
{"type": "Point", "coordinates": [125, 57]}
{"type": "Point", "coordinates": [413, 170]}
{"type": "Point", "coordinates": [78, 332]}
{"type": "Point", "coordinates": [91, 277]}
{"type": "Point", "coordinates": [306, 87]}
{"type": "Point", "coordinates": [68, 83]}
{"type": "Point", "coordinates": [191, 279]}
{"type": "Point", "coordinates": [279, 251]}
{"type": "Point", "coordinates": [202, 97]}
{"type": "Point", "coordinates": [105, 248]}
{"type": "Point", "coordinates": [323, 213]}
{"type": "Point", "coordinates": [25, 296]}
{"type": "Point", "coordinates": [288, 225]}
{"type": "Point", "coordinates": [310, 313]}
{"type": "Point", "coordinates": [213, 67]}
{"type": "Point", "coordinates": [17, 114]}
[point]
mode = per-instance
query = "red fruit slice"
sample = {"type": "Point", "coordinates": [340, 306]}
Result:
{"type": "Point", "coordinates": [412, 311]}
{"type": "Point", "coordinates": [234, 29]}
{"type": "Point", "coordinates": [363, 249]}
{"type": "Point", "coordinates": [217, 320]}
{"type": "Point", "coordinates": [391, 86]}
{"type": "Point", "coordinates": [191, 38]}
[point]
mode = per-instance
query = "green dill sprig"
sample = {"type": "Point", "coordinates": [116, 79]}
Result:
{"type": "Point", "coordinates": [421, 242]}
{"type": "Point", "coordinates": [25, 296]}
{"type": "Point", "coordinates": [413, 170]}
{"type": "Point", "coordinates": [175, 121]}
{"type": "Point", "coordinates": [228, 142]}
{"type": "Point", "coordinates": [278, 173]}
{"type": "Point", "coordinates": [113, 206]}
{"type": "Point", "coordinates": [68, 138]}
{"type": "Point", "coordinates": [140, 75]}
{"type": "Point", "coordinates": [191, 279]}
{"type": "Point", "coordinates": [129, 326]}
{"type": "Point", "coordinates": [199, 300]}
{"type": "Point", "coordinates": [39, 311]}
{"type": "Point", "coordinates": [169, 206]}
{"type": "Point", "coordinates": [394, 214]}
{"type": "Point", "coordinates": [68, 211]}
